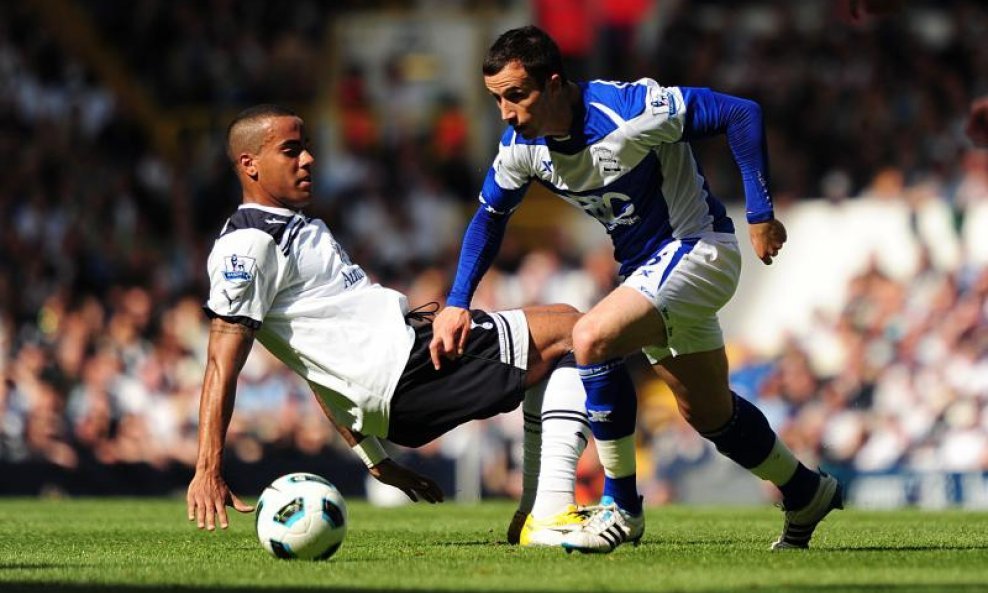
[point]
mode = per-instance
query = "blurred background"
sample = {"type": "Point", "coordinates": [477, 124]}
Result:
{"type": "Point", "coordinates": [866, 343]}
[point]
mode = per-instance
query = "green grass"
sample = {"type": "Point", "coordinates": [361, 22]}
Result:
{"type": "Point", "coordinates": [147, 545]}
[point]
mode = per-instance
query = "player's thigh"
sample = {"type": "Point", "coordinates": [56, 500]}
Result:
{"type": "Point", "coordinates": [700, 383]}
{"type": "Point", "coordinates": [624, 321]}
{"type": "Point", "coordinates": [550, 330]}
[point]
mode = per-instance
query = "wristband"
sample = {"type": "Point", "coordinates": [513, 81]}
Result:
{"type": "Point", "coordinates": [370, 451]}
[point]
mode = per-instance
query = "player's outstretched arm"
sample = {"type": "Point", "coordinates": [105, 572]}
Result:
{"type": "Point", "coordinates": [386, 471]}
{"type": "Point", "coordinates": [709, 113]}
{"type": "Point", "coordinates": [481, 242]}
{"type": "Point", "coordinates": [413, 484]}
{"type": "Point", "coordinates": [208, 494]}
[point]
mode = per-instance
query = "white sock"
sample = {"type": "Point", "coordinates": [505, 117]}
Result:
{"type": "Point", "coordinates": [565, 431]}
{"type": "Point", "coordinates": [780, 465]}
{"type": "Point", "coordinates": [617, 456]}
{"type": "Point", "coordinates": [531, 409]}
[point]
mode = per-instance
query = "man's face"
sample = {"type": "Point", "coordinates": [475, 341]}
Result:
{"type": "Point", "coordinates": [523, 104]}
{"type": "Point", "coordinates": [283, 165]}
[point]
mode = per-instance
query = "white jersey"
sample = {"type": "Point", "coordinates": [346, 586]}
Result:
{"type": "Point", "coordinates": [284, 274]}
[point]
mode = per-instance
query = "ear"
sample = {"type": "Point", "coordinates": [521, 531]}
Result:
{"type": "Point", "coordinates": [554, 83]}
{"type": "Point", "coordinates": [247, 164]}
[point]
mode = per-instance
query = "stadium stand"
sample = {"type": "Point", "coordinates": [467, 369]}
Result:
{"type": "Point", "coordinates": [111, 199]}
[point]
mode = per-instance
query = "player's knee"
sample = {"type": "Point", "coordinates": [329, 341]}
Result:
{"type": "Point", "coordinates": [566, 318]}
{"type": "Point", "coordinates": [590, 342]}
{"type": "Point", "coordinates": [564, 309]}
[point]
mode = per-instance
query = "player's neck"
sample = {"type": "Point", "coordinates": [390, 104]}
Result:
{"type": "Point", "coordinates": [571, 104]}
{"type": "Point", "coordinates": [266, 199]}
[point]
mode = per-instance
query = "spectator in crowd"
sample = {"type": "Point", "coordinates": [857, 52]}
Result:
{"type": "Point", "coordinates": [106, 232]}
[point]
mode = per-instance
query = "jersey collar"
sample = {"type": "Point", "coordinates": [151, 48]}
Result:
{"type": "Point", "coordinates": [271, 209]}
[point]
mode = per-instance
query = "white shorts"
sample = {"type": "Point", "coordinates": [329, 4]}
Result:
{"type": "Point", "coordinates": [688, 281]}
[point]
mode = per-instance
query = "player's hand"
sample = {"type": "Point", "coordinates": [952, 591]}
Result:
{"type": "Point", "coordinates": [767, 239]}
{"type": "Point", "coordinates": [414, 485]}
{"type": "Point", "coordinates": [208, 498]}
{"type": "Point", "coordinates": [977, 122]}
{"type": "Point", "coordinates": [449, 334]}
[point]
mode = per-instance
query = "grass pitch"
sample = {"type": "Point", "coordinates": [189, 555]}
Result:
{"type": "Point", "coordinates": [147, 545]}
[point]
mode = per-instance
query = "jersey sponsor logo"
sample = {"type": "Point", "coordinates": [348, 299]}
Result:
{"type": "Point", "coordinates": [238, 268]}
{"type": "Point", "coordinates": [612, 209]}
{"type": "Point", "coordinates": [353, 274]}
{"type": "Point", "coordinates": [352, 277]}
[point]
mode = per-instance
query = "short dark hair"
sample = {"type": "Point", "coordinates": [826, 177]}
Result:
{"type": "Point", "coordinates": [256, 112]}
{"type": "Point", "coordinates": [531, 46]}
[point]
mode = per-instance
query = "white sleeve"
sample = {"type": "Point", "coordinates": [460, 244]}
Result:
{"type": "Point", "coordinates": [664, 117]}
{"type": "Point", "coordinates": [244, 276]}
{"type": "Point", "coordinates": [512, 167]}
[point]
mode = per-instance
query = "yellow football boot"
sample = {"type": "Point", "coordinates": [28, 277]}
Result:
{"type": "Point", "coordinates": [549, 531]}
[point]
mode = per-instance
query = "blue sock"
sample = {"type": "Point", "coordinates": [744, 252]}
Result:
{"type": "Point", "coordinates": [799, 490]}
{"type": "Point", "coordinates": [749, 441]}
{"type": "Point", "coordinates": [612, 407]}
{"type": "Point", "coordinates": [624, 492]}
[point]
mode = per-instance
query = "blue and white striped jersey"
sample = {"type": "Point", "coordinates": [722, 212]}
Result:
{"type": "Point", "coordinates": [626, 162]}
{"type": "Point", "coordinates": [625, 166]}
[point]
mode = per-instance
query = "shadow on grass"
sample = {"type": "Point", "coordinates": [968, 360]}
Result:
{"type": "Point", "coordinates": [887, 549]}
{"type": "Point", "coordinates": [20, 587]}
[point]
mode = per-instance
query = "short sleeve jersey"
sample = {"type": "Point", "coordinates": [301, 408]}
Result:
{"type": "Point", "coordinates": [285, 275]}
{"type": "Point", "coordinates": [622, 163]}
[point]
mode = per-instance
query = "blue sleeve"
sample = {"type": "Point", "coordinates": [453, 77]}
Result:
{"type": "Point", "coordinates": [709, 113]}
{"type": "Point", "coordinates": [481, 243]}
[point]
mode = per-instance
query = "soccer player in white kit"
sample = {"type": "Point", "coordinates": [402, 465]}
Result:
{"type": "Point", "coordinates": [280, 276]}
{"type": "Point", "coordinates": [620, 151]}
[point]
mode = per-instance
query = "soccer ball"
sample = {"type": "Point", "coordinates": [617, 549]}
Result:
{"type": "Point", "coordinates": [302, 516]}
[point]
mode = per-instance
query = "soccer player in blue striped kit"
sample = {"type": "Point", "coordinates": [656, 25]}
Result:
{"type": "Point", "coordinates": [620, 151]}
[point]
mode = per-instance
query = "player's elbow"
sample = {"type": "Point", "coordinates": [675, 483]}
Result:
{"type": "Point", "coordinates": [750, 110]}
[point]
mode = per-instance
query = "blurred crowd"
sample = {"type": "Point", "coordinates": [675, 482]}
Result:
{"type": "Point", "coordinates": [897, 381]}
{"type": "Point", "coordinates": [103, 246]}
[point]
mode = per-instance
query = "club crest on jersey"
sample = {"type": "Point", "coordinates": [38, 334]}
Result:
{"type": "Point", "coordinates": [238, 268]}
{"type": "Point", "coordinates": [606, 159]}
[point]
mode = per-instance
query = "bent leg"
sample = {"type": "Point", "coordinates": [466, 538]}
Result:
{"type": "Point", "coordinates": [550, 330]}
{"type": "Point", "coordinates": [699, 382]}
{"type": "Point", "coordinates": [621, 323]}
{"type": "Point", "coordinates": [556, 433]}
{"type": "Point", "coordinates": [734, 425]}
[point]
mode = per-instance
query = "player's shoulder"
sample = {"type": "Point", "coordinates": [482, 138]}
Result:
{"type": "Point", "coordinates": [516, 153]}
{"type": "Point", "coordinates": [273, 222]}
{"type": "Point", "coordinates": [627, 99]}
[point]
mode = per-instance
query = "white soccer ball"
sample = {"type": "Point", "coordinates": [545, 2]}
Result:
{"type": "Point", "coordinates": [302, 516]}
